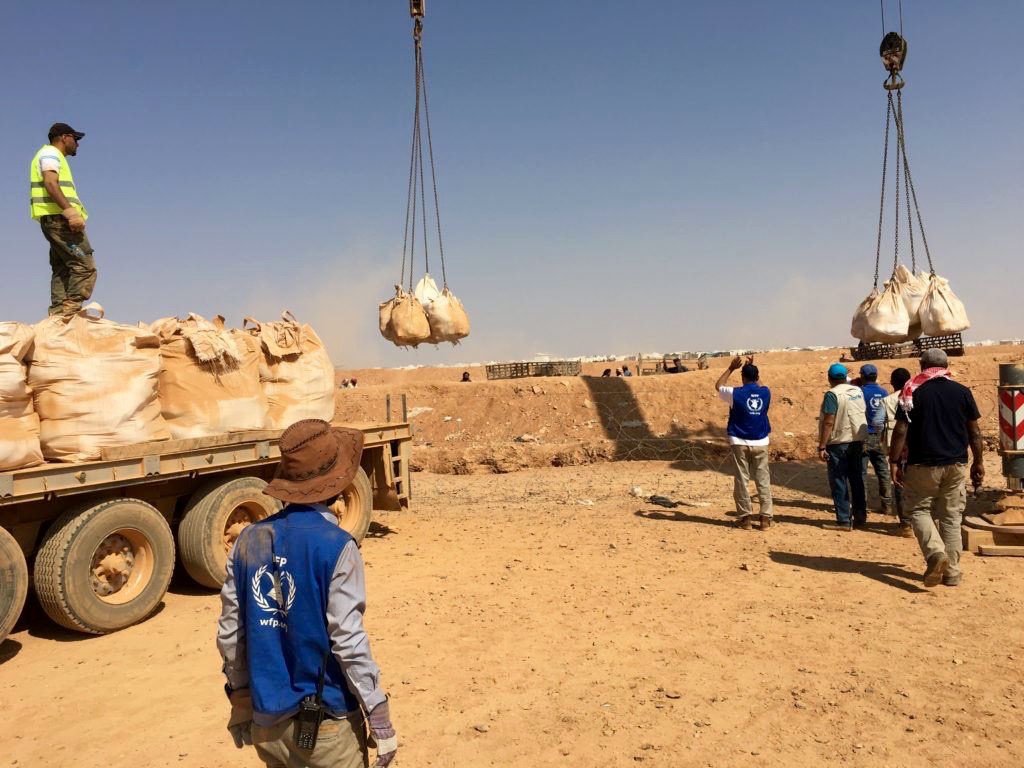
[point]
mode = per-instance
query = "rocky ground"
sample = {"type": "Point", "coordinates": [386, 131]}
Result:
{"type": "Point", "coordinates": [526, 614]}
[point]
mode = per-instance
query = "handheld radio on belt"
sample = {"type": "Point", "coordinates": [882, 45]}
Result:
{"type": "Point", "coordinates": [311, 712]}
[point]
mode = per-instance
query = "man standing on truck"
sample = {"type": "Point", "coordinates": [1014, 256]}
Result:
{"type": "Point", "coordinates": [297, 659]}
{"type": "Point", "coordinates": [55, 204]}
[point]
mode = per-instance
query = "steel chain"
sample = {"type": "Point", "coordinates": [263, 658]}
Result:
{"type": "Point", "coordinates": [881, 203]}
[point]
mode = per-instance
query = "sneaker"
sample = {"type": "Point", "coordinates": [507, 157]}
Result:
{"type": "Point", "coordinates": [951, 581]}
{"type": "Point", "coordinates": [837, 526]}
{"type": "Point", "coordinates": [937, 566]}
{"type": "Point", "coordinates": [766, 522]}
{"type": "Point", "coordinates": [905, 530]}
{"type": "Point", "coordinates": [744, 523]}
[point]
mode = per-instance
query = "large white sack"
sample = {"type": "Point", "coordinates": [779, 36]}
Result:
{"type": "Point", "coordinates": [912, 289]}
{"type": "Point", "coordinates": [407, 324]}
{"type": "Point", "coordinates": [426, 290]}
{"type": "Point", "coordinates": [886, 319]}
{"type": "Point", "coordinates": [858, 326]}
{"type": "Point", "coordinates": [209, 378]}
{"type": "Point", "coordinates": [94, 385]}
{"type": "Point", "coordinates": [941, 311]}
{"type": "Point", "coordinates": [445, 314]}
{"type": "Point", "coordinates": [19, 424]}
{"type": "Point", "coordinates": [296, 372]}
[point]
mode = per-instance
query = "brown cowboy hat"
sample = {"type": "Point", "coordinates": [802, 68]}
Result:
{"type": "Point", "coordinates": [318, 462]}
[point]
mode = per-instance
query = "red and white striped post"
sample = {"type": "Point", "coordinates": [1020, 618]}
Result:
{"type": "Point", "coordinates": [1011, 423]}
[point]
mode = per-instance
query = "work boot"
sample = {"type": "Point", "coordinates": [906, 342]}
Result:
{"type": "Point", "coordinates": [744, 523]}
{"type": "Point", "coordinates": [886, 508]}
{"type": "Point", "coordinates": [837, 526]}
{"type": "Point", "coordinates": [937, 565]}
{"type": "Point", "coordinates": [766, 522]}
{"type": "Point", "coordinates": [951, 581]}
{"type": "Point", "coordinates": [904, 530]}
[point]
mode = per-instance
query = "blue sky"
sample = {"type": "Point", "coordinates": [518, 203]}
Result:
{"type": "Point", "coordinates": [614, 176]}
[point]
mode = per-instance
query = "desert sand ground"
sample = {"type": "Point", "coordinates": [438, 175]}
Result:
{"type": "Point", "coordinates": [529, 610]}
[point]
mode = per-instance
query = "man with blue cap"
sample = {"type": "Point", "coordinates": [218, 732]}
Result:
{"type": "Point", "coordinates": [875, 452]}
{"type": "Point", "coordinates": [842, 429]}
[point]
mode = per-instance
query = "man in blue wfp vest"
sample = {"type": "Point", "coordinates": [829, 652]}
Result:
{"type": "Point", "coordinates": [876, 453]}
{"type": "Point", "coordinates": [748, 431]}
{"type": "Point", "coordinates": [842, 429]}
{"type": "Point", "coordinates": [292, 618]}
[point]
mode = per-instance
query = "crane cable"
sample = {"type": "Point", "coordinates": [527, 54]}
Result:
{"type": "Point", "coordinates": [417, 177]}
{"type": "Point", "coordinates": [893, 52]}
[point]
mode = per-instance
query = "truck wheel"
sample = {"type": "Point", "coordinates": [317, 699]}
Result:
{"type": "Point", "coordinates": [355, 507]}
{"type": "Point", "coordinates": [105, 566]}
{"type": "Point", "coordinates": [215, 515]}
{"type": "Point", "coordinates": [13, 582]}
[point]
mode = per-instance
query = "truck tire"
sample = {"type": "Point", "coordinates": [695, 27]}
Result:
{"type": "Point", "coordinates": [355, 507]}
{"type": "Point", "coordinates": [13, 582]}
{"type": "Point", "coordinates": [215, 515]}
{"type": "Point", "coordinates": [104, 567]}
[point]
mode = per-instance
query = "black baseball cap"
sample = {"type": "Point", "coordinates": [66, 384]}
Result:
{"type": "Point", "coordinates": [59, 129]}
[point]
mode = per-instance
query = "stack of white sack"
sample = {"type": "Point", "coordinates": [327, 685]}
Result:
{"type": "Point", "coordinates": [94, 385]}
{"type": "Point", "coordinates": [296, 372]}
{"type": "Point", "coordinates": [402, 320]}
{"type": "Point", "coordinates": [908, 306]}
{"type": "Point", "coordinates": [209, 378]}
{"type": "Point", "coordinates": [19, 423]}
{"type": "Point", "coordinates": [445, 314]}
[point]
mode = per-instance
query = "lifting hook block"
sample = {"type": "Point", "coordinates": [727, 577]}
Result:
{"type": "Point", "coordinates": [417, 8]}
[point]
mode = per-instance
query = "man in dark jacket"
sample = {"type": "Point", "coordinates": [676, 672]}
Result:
{"type": "Point", "coordinates": [292, 616]}
{"type": "Point", "coordinates": [936, 421]}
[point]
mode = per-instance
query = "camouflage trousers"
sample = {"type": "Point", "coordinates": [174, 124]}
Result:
{"type": "Point", "coordinates": [72, 264]}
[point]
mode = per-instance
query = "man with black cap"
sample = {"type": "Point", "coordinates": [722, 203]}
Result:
{"type": "Point", "coordinates": [842, 429]}
{"type": "Point", "coordinates": [875, 452]}
{"type": "Point", "coordinates": [56, 205]}
{"type": "Point", "coordinates": [748, 431]}
{"type": "Point", "coordinates": [296, 655]}
{"type": "Point", "coordinates": [936, 421]}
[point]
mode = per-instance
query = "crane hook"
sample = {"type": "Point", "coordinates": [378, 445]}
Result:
{"type": "Point", "coordinates": [893, 51]}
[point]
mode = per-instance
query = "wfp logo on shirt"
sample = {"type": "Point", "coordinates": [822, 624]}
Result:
{"type": "Point", "coordinates": [876, 402]}
{"type": "Point", "coordinates": [278, 598]}
{"type": "Point", "coordinates": [755, 404]}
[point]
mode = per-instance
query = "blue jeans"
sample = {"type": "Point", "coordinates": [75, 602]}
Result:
{"type": "Point", "coordinates": [846, 480]}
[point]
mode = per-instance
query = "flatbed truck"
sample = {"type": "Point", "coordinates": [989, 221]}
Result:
{"type": "Point", "coordinates": [99, 538]}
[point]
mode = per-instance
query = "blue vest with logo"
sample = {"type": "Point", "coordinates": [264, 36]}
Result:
{"type": "Point", "coordinates": [748, 417]}
{"type": "Point", "coordinates": [283, 568]}
{"type": "Point", "coordinates": [874, 394]}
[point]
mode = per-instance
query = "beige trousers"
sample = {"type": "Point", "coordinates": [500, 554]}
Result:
{"type": "Point", "coordinates": [340, 744]}
{"type": "Point", "coordinates": [935, 498]}
{"type": "Point", "coordinates": [747, 460]}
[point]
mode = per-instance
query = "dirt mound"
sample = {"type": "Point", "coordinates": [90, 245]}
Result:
{"type": "Point", "coordinates": [502, 426]}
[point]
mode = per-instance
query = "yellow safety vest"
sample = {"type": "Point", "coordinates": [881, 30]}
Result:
{"type": "Point", "coordinates": [40, 200]}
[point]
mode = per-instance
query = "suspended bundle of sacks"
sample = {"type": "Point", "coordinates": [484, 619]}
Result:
{"type": "Point", "coordinates": [941, 311]}
{"type": "Point", "coordinates": [446, 316]}
{"type": "Point", "coordinates": [209, 378]}
{"type": "Point", "coordinates": [19, 423]}
{"type": "Point", "coordinates": [94, 385]}
{"type": "Point", "coordinates": [296, 372]}
{"type": "Point", "coordinates": [402, 320]}
{"type": "Point", "coordinates": [908, 306]}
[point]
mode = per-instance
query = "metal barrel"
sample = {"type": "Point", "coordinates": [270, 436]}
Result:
{"type": "Point", "coordinates": [1011, 421]}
